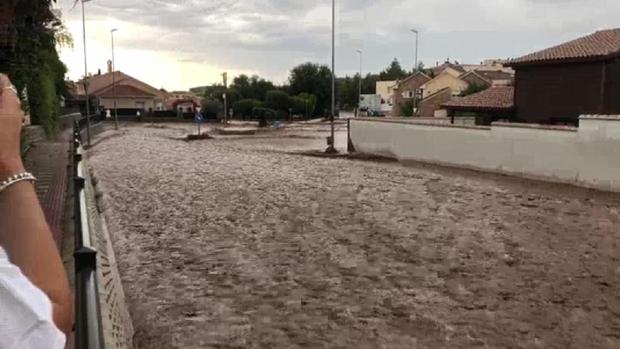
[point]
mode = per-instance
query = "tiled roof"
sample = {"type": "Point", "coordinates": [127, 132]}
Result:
{"type": "Point", "coordinates": [98, 84]}
{"type": "Point", "coordinates": [439, 69]}
{"type": "Point", "coordinates": [495, 74]}
{"type": "Point", "coordinates": [419, 76]}
{"type": "Point", "coordinates": [600, 45]}
{"type": "Point", "coordinates": [125, 91]}
{"type": "Point", "coordinates": [494, 98]}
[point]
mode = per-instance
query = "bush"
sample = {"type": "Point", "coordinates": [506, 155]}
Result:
{"type": "Point", "coordinates": [309, 103]}
{"type": "Point", "coordinates": [211, 108]}
{"type": "Point", "coordinates": [277, 100]}
{"type": "Point", "coordinates": [244, 107]}
{"type": "Point", "coordinates": [264, 114]}
{"type": "Point", "coordinates": [43, 103]}
{"type": "Point", "coordinates": [406, 108]}
{"type": "Point", "coordinates": [473, 88]}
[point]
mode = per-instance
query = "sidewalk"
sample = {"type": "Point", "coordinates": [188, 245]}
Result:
{"type": "Point", "coordinates": [48, 161]}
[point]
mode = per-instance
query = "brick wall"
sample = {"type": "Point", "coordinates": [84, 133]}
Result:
{"type": "Point", "coordinates": [429, 105]}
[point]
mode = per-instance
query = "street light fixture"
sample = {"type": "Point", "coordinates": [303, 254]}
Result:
{"type": "Point", "coordinates": [114, 80]}
{"type": "Point", "coordinates": [359, 95]}
{"type": "Point", "coordinates": [331, 149]}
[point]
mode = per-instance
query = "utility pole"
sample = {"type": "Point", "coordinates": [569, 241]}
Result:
{"type": "Point", "coordinates": [225, 78]}
{"type": "Point", "coordinates": [331, 149]}
{"type": "Point", "coordinates": [114, 81]}
{"type": "Point", "coordinates": [86, 77]}
{"type": "Point", "coordinates": [359, 95]}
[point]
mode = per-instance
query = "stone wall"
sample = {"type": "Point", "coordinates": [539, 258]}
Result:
{"type": "Point", "coordinates": [586, 156]}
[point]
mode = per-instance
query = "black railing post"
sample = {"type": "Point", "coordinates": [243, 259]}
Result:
{"type": "Point", "coordinates": [350, 146]}
{"type": "Point", "coordinates": [88, 326]}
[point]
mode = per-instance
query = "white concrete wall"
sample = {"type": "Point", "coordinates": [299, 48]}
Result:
{"type": "Point", "coordinates": [588, 156]}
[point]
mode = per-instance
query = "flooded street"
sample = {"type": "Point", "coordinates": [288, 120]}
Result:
{"type": "Point", "coordinates": [240, 242]}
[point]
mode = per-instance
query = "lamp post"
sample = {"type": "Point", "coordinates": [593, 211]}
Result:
{"type": "Point", "coordinates": [417, 34]}
{"type": "Point", "coordinates": [114, 80]}
{"type": "Point", "coordinates": [359, 94]}
{"type": "Point", "coordinates": [331, 149]}
{"type": "Point", "coordinates": [415, 68]}
{"type": "Point", "coordinates": [86, 77]}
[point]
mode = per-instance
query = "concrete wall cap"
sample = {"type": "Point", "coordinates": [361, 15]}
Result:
{"type": "Point", "coordinates": [600, 117]}
{"type": "Point", "coordinates": [535, 126]}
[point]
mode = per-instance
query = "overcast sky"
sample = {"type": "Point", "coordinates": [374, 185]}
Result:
{"type": "Point", "coordinates": [179, 44]}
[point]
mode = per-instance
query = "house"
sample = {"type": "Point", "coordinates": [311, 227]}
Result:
{"type": "Point", "coordinates": [448, 78]}
{"type": "Point", "coordinates": [498, 77]}
{"type": "Point", "coordinates": [558, 84]}
{"type": "Point", "coordinates": [453, 68]}
{"type": "Point", "coordinates": [406, 89]}
{"type": "Point", "coordinates": [430, 106]}
{"type": "Point", "coordinates": [492, 104]}
{"type": "Point", "coordinates": [475, 77]}
{"type": "Point", "coordinates": [385, 89]}
{"type": "Point", "coordinates": [129, 93]}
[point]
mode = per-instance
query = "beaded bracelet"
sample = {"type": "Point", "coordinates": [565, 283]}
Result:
{"type": "Point", "coordinates": [20, 177]}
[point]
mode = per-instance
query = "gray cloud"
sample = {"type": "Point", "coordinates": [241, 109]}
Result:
{"type": "Point", "coordinates": [271, 35]}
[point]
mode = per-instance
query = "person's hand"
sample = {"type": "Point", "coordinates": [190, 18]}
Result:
{"type": "Point", "coordinates": [11, 120]}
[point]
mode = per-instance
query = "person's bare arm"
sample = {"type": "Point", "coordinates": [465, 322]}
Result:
{"type": "Point", "coordinates": [24, 232]}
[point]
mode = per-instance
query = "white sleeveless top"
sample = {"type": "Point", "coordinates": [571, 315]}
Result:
{"type": "Point", "coordinates": [25, 312]}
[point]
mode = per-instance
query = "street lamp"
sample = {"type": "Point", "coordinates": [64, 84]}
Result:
{"type": "Point", "coordinates": [416, 47]}
{"type": "Point", "coordinates": [331, 149]}
{"type": "Point", "coordinates": [415, 69]}
{"type": "Point", "coordinates": [86, 77]}
{"type": "Point", "coordinates": [114, 80]}
{"type": "Point", "coordinates": [359, 95]}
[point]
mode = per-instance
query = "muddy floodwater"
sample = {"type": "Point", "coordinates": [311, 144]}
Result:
{"type": "Point", "coordinates": [240, 242]}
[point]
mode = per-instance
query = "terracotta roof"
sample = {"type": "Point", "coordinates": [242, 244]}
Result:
{"type": "Point", "coordinates": [99, 84]}
{"type": "Point", "coordinates": [494, 98]}
{"type": "Point", "coordinates": [440, 68]}
{"type": "Point", "coordinates": [425, 78]}
{"type": "Point", "coordinates": [126, 91]}
{"type": "Point", "coordinates": [495, 75]}
{"type": "Point", "coordinates": [420, 74]}
{"type": "Point", "coordinates": [600, 45]}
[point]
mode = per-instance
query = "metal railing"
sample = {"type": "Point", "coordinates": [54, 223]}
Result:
{"type": "Point", "coordinates": [88, 328]}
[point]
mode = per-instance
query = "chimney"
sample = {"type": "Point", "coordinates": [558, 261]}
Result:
{"type": "Point", "coordinates": [99, 72]}
{"type": "Point", "coordinates": [109, 66]}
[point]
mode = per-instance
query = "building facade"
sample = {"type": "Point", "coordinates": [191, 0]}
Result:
{"type": "Point", "coordinates": [559, 84]}
{"type": "Point", "coordinates": [406, 89]}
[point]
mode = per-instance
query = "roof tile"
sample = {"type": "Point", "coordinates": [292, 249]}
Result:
{"type": "Point", "coordinates": [494, 98]}
{"type": "Point", "coordinates": [601, 44]}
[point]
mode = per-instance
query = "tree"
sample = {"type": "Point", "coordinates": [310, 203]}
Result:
{"type": "Point", "coordinates": [277, 100]}
{"type": "Point", "coordinates": [473, 88]}
{"type": "Point", "coordinates": [32, 61]}
{"type": "Point", "coordinates": [393, 72]}
{"type": "Point", "coordinates": [313, 79]}
{"type": "Point", "coordinates": [252, 87]}
{"type": "Point", "coordinates": [211, 108]}
{"type": "Point", "coordinates": [347, 89]}
{"type": "Point", "coordinates": [309, 104]}
{"type": "Point", "coordinates": [244, 107]}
